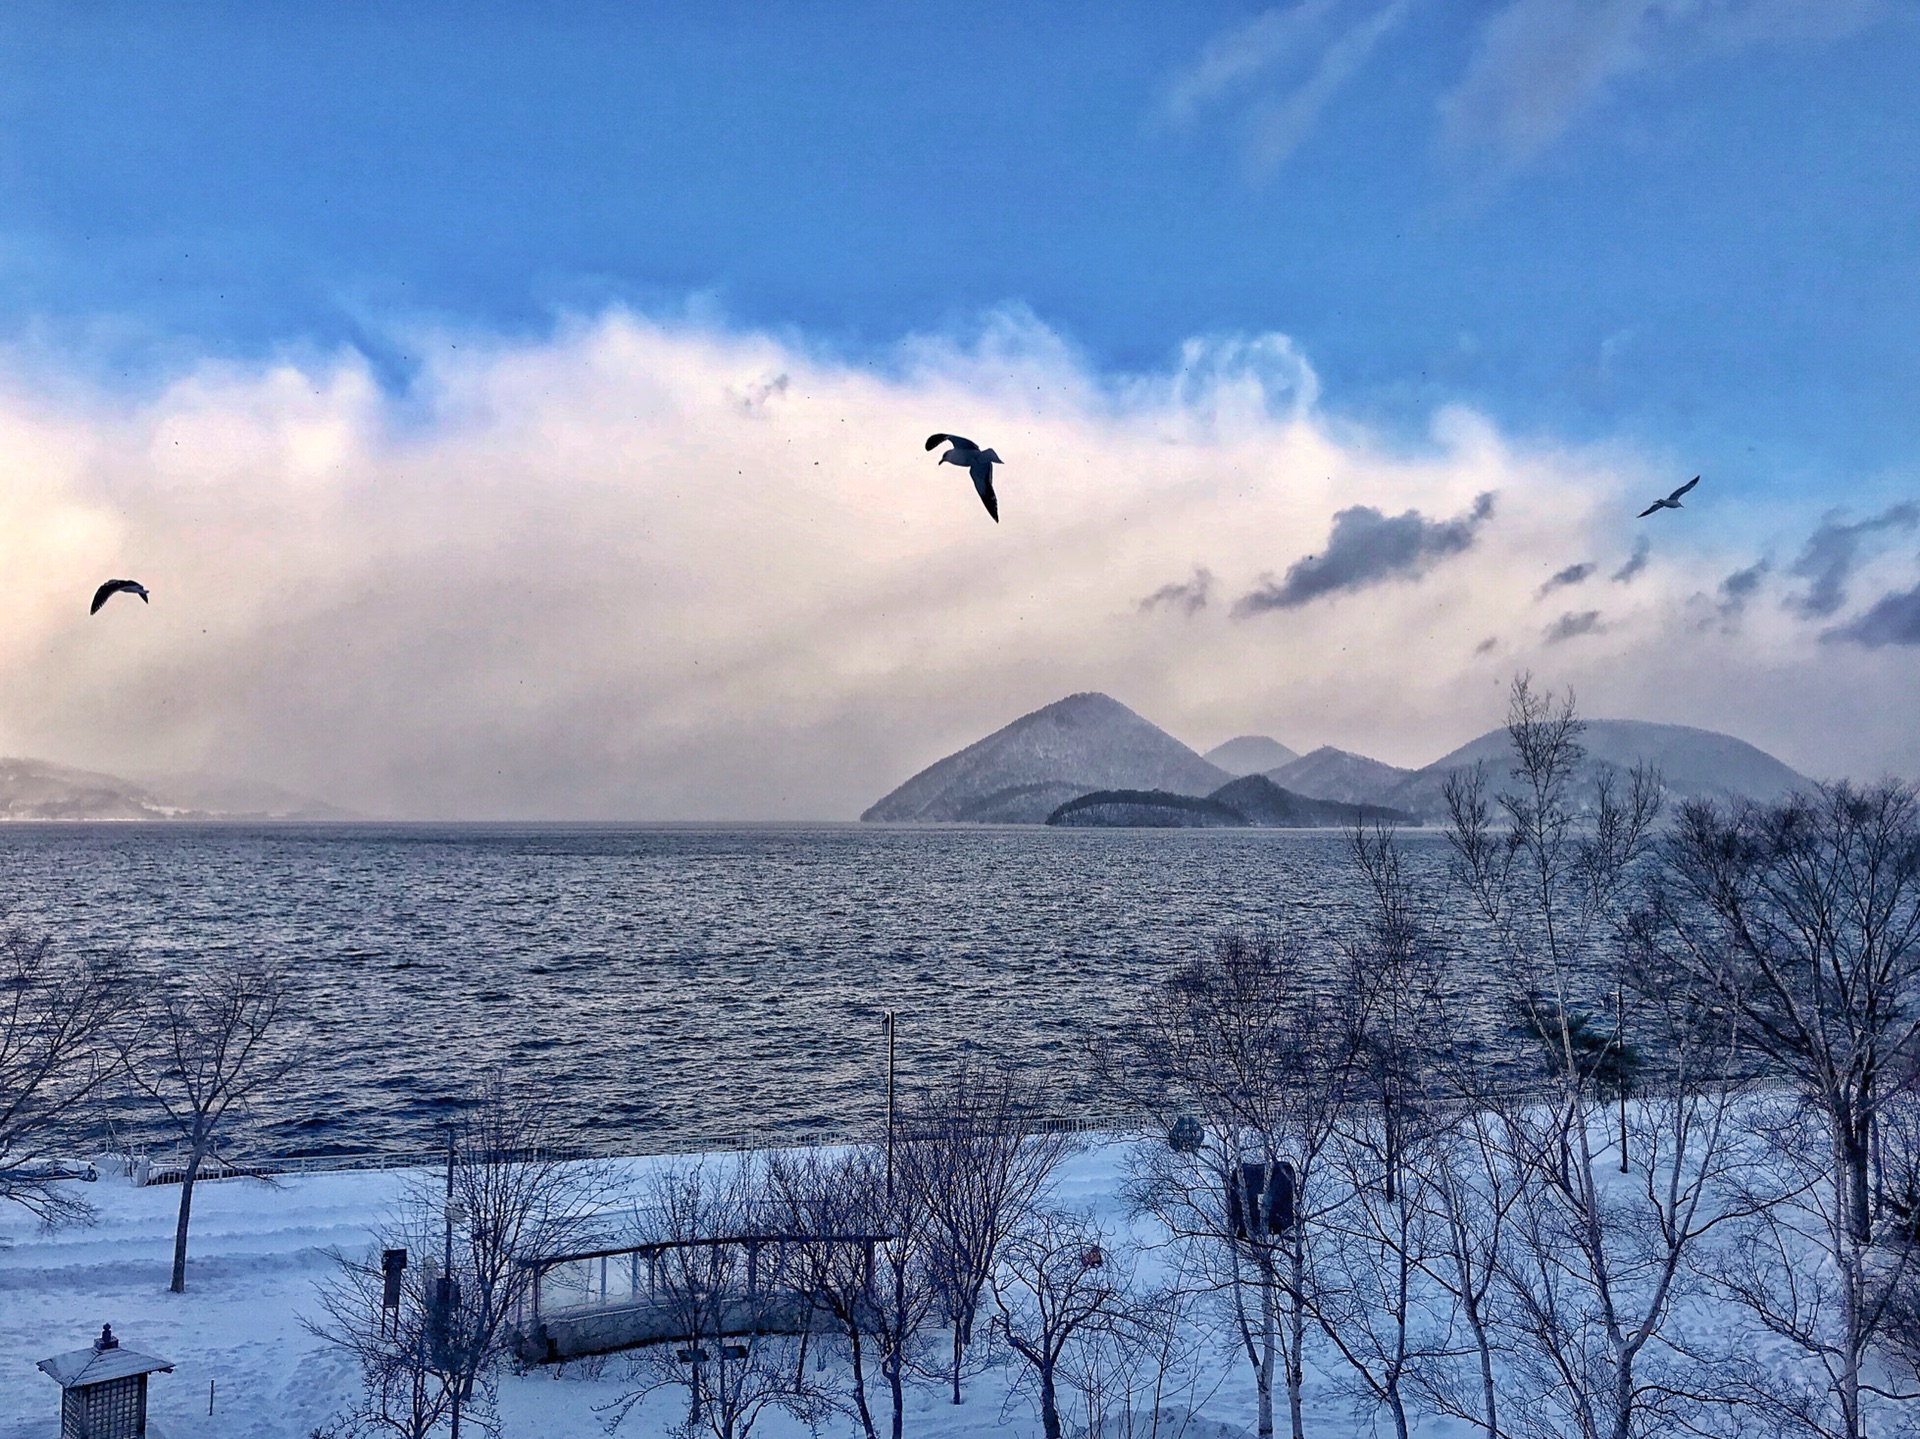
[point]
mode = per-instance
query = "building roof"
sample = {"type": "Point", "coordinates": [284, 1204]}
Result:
{"type": "Point", "coordinates": [95, 1365]}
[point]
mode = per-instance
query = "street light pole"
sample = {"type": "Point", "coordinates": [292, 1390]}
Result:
{"type": "Point", "coordinates": [447, 1290]}
{"type": "Point", "coordinates": [890, 1106]}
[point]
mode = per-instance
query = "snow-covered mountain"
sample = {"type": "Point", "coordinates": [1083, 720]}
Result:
{"type": "Point", "coordinates": [33, 789]}
{"type": "Point", "coordinates": [1338, 774]}
{"type": "Point", "coordinates": [1026, 771]}
{"type": "Point", "coordinates": [225, 797]}
{"type": "Point", "coordinates": [1022, 773]}
{"type": "Point", "coordinates": [1250, 754]}
{"type": "Point", "coordinates": [1693, 763]}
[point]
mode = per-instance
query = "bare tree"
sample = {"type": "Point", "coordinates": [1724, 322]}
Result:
{"type": "Point", "coordinates": [1059, 1278]}
{"type": "Point", "coordinates": [406, 1385]}
{"type": "Point", "coordinates": [1803, 918]}
{"type": "Point", "coordinates": [207, 1044]}
{"type": "Point", "coordinates": [55, 1018]}
{"type": "Point", "coordinates": [1242, 1046]}
{"type": "Point", "coordinates": [510, 1193]}
{"type": "Point", "coordinates": [1136, 1374]}
{"type": "Point", "coordinates": [1371, 1293]}
{"type": "Point", "coordinates": [877, 1298]}
{"type": "Point", "coordinates": [1471, 1190]}
{"type": "Point", "coordinates": [974, 1164]}
{"type": "Point", "coordinates": [731, 1354]}
{"type": "Point", "coordinates": [1414, 1247]}
{"type": "Point", "coordinates": [1590, 1267]}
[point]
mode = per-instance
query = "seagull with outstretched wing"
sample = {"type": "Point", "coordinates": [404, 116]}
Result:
{"type": "Point", "coordinates": [1671, 502]}
{"type": "Point", "coordinates": [117, 587]}
{"type": "Point", "coordinates": [975, 461]}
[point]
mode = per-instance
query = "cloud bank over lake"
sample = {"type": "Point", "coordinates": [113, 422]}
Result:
{"type": "Point", "coordinates": [646, 568]}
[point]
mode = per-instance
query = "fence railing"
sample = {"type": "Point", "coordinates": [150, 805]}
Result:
{"type": "Point", "coordinates": [170, 1167]}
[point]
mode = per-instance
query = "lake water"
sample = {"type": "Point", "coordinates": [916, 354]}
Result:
{"type": "Point", "coordinates": [668, 985]}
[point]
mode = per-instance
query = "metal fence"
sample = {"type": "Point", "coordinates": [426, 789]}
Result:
{"type": "Point", "coordinates": [170, 1168]}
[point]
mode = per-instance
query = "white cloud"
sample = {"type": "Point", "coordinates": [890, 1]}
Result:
{"type": "Point", "coordinates": [1242, 53]}
{"type": "Point", "coordinates": [1540, 63]}
{"type": "Point", "coordinates": [1280, 125]}
{"type": "Point", "coordinates": [585, 577]}
{"type": "Point", "coordinates": [1312, 49]}
{"type": "Point", "coordinates": [1536, 67]}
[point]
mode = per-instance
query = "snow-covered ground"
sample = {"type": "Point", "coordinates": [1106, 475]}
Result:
{"type": "Point", "coordinates": [256, 1251]}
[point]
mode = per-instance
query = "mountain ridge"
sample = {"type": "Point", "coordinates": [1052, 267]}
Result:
{"type": "Point", "coordinates": [1250, 754]}
{"type": "Point", "coordinates": [1089, 740]}
{"type": "Point", "coordinates": [1087, 743]}
{"type": "Point", "coordinates": [40, 790]}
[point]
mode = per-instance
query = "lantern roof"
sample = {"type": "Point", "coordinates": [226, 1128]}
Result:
{"type": "Point", "coordinates": [101, 1362]}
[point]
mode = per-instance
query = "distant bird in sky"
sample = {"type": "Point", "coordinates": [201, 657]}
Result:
{"type": "Point", "coordinates": [1671, 502]}
{"type": "Point", "coordinates": [117, 587]}
{"type": "Point", "coordinates": [975, 461]}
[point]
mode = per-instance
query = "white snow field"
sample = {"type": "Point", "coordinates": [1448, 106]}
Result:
{"type": "Point", "coordinates": [258, 1247]}
{"type": "Point", "coordinates": [255, 1252]}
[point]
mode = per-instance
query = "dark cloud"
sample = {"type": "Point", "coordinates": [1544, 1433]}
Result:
{"type": "Point", "coordinates": [1636, 562]}
{"type": "Point", "coordinates": [1189, 596]}
{"type": "Point", "coordinates": [1571, 575]}
{"type": "Point", "coordinates": [1572, 626]}
{"type": "Point", "coordinates": [1366, 548]}
{"type": "Point", "coordinates": [755, 398]}
{"type": "Point", "coordinates": [1730, 601]}
{"type": "Point", "coordinates": [1737, 588]}
{"type": "Point", "coordinates": [1893, 620]}
{"type": "Point", "coordinates": [1832, 553]}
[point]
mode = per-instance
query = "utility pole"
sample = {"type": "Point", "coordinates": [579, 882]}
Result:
{"type": "Point", "coordinates": [449, 1290]}
{"type": "Point", "coordinates": [890, 1106]}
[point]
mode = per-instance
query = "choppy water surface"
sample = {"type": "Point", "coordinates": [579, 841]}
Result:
{"type": "Point", "coordinates": [668, 984]}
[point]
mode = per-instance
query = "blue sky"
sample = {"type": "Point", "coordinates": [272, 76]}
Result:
{"type": "Point", "coordinates": [1702, 243]}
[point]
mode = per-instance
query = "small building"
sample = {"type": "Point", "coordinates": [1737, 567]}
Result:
{"type": "Point", "coordinates": [104, 1389]}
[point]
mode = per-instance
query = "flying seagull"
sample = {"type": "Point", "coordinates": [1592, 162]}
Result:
{"type": "Point", "coordinates": [117, 587]}
{"type": "Point", "coordinates": [977, 462]}
{"type": "Point", "coordinates": [1671, 502]}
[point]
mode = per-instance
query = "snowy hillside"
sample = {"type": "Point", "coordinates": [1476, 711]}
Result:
{"type": "Point", "coordinates": [1250, 754]}
{"type": "Point", "coordinates": [36, 789]}
{"type": "Point", "coordinates": [1693, 763]}
{"type": "Point", "coordinates": [1020, 774]}
{"type": "Point", "coordinates": [1337, 774]}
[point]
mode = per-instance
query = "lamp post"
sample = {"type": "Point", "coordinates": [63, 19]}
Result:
{"type": "Point", "coordinates": [890, 1028]}
{"type": "Point", "coordinates": [447, 1292]}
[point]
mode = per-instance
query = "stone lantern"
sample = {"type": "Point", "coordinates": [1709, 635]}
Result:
{"type": "Point", "coordinates": [103, 1389]}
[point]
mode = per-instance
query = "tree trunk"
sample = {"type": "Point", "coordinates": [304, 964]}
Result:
{"type": "Point", "coordinates": [1265, 1376]}
{"type": "Point", "coordinates": [1485, 1348]}
{"type": "Point", "coordinates": [1297, 1339]}
{"type": "Point", "coordinates": [956, 1361]}
{"type": "Point", "coordinates": [1852, 1278]}
{"type": "Point", "coordinates": [856, 1361]}
{"type": "Point", "coordinates": [1049, 1405]}
{"type": "Point", "coordinates": [179, 1284]}
{"type": "Point", "coordinates": [1859, 1192]}
{"type": "Point", "coordinates": [894, 1362]}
